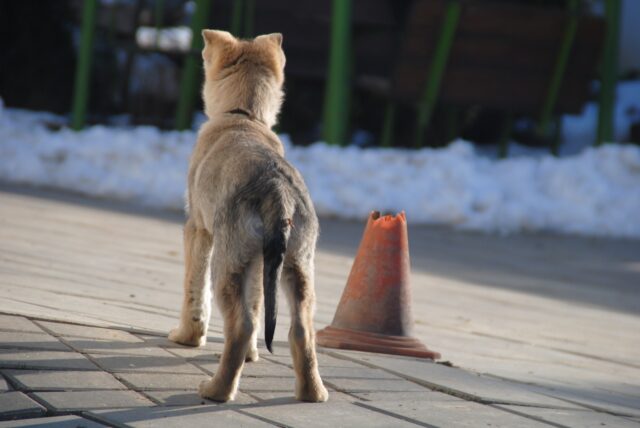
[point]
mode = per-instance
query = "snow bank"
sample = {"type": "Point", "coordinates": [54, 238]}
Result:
{"type": "Point", "coordinates": [596, 192]}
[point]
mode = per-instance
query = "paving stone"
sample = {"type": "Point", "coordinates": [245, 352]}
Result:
{"type": "Point", "coordinates": [131, 363]}
{"type": "Point", "coordinates": [45, 360]}
{"type": "Point", "coordinates": [63, 329]}
{"type": "Point", "coordinates": [260, 368]}
{"type": "Point", "coordinates": [17, 405]}
{"type": "Point", "coordinates": [186, 398]}
{"type": "Point", "coordinates": [267, 384]}
{"type": "Point", "coordinates": [425, 395]}
{"type": "Point", "coordinates": [332, 414]}
{"type": "Point", "coordinates": [212, 416]}
{"type": "Point", "coordinates": [200, 354]}
{"type": "Point", "coordinates": [16, 323]}
{"type": "Point", "coordinates": [19, 339]}
{"type": "Point", "coordinates": [68, 421]}
{"type": "Point", "coordinates": [4, 386]}
{"type": "Point", "coordinates": [89, 346]}
{"type": "Point", "coordinates": [80, 400]}
{"type": "Point", "coordinates": [458, 413]}
{"type": "Point", "coordinates": [459, 382]}
{"type": "Point", "coordinates": [168, 381]}
{"type": "Point", "coordinates": [285, 397]}
{"type": "Point", "coordinates": [594, 399]}
{"type": "Point", "coordinates": [581, 418]}
{"type": "Point", "coordinates": [380, 385]}
{"type": "Point", "coordinates": [331, 372]}
{"type": "Point", "coordinates": [213, 343]}
{"type": "Point", "coordinates": [52, 380]}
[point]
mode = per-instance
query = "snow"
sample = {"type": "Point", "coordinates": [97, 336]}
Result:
{"type": "Point", "coordinates": [594, 192]}
{"type": "Point", "coordinates": [166, 39]}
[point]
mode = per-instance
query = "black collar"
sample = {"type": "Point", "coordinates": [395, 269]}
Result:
{"type": "Point", "coordinates": [246, 113]}
{"type": "Point", "coordinates": [242, 112]}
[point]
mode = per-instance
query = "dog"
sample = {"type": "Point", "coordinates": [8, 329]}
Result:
{"type": "Point", "coordinates": [251, 223]}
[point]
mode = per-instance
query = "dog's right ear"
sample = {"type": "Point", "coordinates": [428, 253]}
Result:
{"type": "Point", "coordinates": [216, 42]}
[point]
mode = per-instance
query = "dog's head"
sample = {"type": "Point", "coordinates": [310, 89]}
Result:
{"type": "Point", "coordinates": [246, 74]}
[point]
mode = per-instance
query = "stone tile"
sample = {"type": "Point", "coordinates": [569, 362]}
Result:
{"type": "Point", "coordinates": [212, 416]}
{"type": "Point", "coordinates": [251, 384]}
{"type": "Point", "coordinates": [4, 386]}
{"type": "Point", "coordinates": [595, 399]}
{"type": "Point", "coordinates": [425, 395]}
{"type": "Point", "coordinates": [131, 363]}
{"type": "Point", "coordinates": [68, 421]}
{"type": "Point", "coordinates": [263, 368]}
{"type": "Point", "coordinates": [260, 368]}
{"type": "Point", "coordinates": [189, 398]}
{"type": "Point", "coordinates": [63, 329]}
{"type": "Point", "coordinates": [45, 360]}
{"type": "Point", "coordinates": [17, 405]}
{"type": "Point", "coordinates": [459, 382]}
{"type": "Point", "coordinates": [167, 381]}
{"type": "Point", "coordinates": [331, 415]}
{"type": "Point", "coordinates": [18, 339]}
{"type": "Point", "coordinates": [90, 346]}
{"type": "Point", "coordinates": [16, 323]}
{"type": "Point", "coordinates": [379, 385]}
{"type": "Point", "coordinates": [67, 401]}
{"type": "Point", "coordinates": [332, 372]}
{"type": "Point", "coordinates": [213, 344]}
{"type": "Point", "coordinates": [200, 354]}
{"type": "Point", "coordinates": [458, 413]}
{"type": "Point", "coordinates": [581, 418]}
{"type": "Point", "coordinates": [285, 397]}
{"type": "Point", "coordinates": [53, 380]}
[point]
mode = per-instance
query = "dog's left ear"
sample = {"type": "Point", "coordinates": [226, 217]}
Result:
{"type": "Point", "coordinates": [274, 38]}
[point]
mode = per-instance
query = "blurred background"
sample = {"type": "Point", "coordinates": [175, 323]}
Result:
{"type": "Point", "coordinates": [406, 73]}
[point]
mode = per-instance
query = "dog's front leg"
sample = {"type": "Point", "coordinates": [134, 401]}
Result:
{"type": "Point", "coordinates": [196, 306]}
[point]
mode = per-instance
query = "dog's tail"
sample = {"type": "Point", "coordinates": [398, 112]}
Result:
{"type": "Point", "coordinates": [277, 229]}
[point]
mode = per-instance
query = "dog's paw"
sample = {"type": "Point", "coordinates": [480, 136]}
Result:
{"type": "Point", "coordinates": [220, 393]}
{"type": "Point", "coordinates": [313, 392]}
{"type": "Point", "coordinates": [252, 355]}
{"type": "Point", "coordinates": [187, 337]}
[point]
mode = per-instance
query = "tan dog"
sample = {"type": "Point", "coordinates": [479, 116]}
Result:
{"type": "Point", "coordinates": [250, 218]}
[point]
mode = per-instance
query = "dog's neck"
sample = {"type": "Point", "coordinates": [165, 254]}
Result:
{"type": "Point", "coordinates": [260, 99]}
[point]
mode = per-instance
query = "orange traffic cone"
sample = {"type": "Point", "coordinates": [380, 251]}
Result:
{"type": "Point", "coordinates": [374, 313]}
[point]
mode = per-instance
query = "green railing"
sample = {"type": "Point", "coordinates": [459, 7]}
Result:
{"type": "Point", "coordinates": [337, 92]}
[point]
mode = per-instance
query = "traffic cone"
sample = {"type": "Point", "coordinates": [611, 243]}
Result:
{"type": "Point", "coordinates": [374, 313]}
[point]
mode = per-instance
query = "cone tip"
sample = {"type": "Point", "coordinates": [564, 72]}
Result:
{"type": "Point", "coordinates": [375, 217]}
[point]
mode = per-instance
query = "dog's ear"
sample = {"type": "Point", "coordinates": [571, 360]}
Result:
{"type": "Point", "coordinates": [216, 43]}
{"type": "Point", "coordinates": [274, 38]}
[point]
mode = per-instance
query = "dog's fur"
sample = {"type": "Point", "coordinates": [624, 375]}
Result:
{"type": "Point", "coordinates": [250, 218]}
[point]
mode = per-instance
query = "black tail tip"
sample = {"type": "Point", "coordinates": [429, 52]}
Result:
{"type": "Point", "coordinates": [269, 347]}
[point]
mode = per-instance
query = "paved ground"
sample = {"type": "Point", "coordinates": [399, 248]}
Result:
{"type": "Point", "coordinates": [543, 330]}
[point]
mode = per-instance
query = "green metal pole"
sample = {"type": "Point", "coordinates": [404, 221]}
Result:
{"type": "Point", "coordinates": [609, 72]}
{"type": "Point", "coordinates": [559, 69]}
{"type": "Point", "coordinates": [158, 13]}
{"type": "Point", "coordinates": [436, 69]}
{"type": "Point", "coordinates": [236, 18]}
{"type": "Point", "coordinates": [249, 14]}
{"type": "Point", "coordinates": [189, 81]}
{"type": "Point", "coordinates": [336, 98]}
{"type": "Point", "coordinates": [83, 66]}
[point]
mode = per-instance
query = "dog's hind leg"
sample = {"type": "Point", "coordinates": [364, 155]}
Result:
{"type": "Point", "coordinates": [196, 306]}
{"type": "Point", "coordinates": [240, 314]}
{"type": "Point", "coordinates": [298, 284]}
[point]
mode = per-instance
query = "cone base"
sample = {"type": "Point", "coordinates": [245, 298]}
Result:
{"type": "Point", "coordinates": [341, 338]}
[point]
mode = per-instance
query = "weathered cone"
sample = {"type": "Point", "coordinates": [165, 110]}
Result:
{"type": "Point", "coordinates": [374, 313]}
